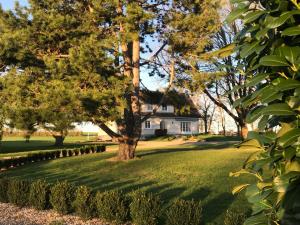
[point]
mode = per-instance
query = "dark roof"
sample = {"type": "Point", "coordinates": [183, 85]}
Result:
{"type": "Point", "coordinates": [183, 104]}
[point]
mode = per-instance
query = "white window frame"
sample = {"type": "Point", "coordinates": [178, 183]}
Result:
{"type": "Point", "coordinates": [185, 127]}
{"type": "Point", "coordinates": [147, 124]}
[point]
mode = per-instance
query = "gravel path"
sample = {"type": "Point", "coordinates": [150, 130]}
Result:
{"type": "Point", "coordinates": [12, 215]}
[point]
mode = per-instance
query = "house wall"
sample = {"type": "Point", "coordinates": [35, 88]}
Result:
{"type": "Point", "coordinates": [172, 125]}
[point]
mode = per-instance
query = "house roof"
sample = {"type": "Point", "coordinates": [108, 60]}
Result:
{"type": "Point", "coordinates": [183, 104]}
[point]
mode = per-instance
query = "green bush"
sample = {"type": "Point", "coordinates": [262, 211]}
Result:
{"type": "Point", "coordinates": [184, 212]}
{"type": "Point", "coordinates": [57, 154]}
{"type": "Point", "coordinates": [98, 148]}
{"type": "Point", "coordinates": [81, 150]}
{"type": "Point", "coordinates": [76, 152]}
{"type": "Point", "coordinates": [112, 206]}
{"type": "Point", "coordinates": [3, 190]}
{"type": "Point", "coordinates": [145, 208]}
{"type": "Point", "coordinates": [39, 194]}
{"type": "Point", "coordinates": [70, 152]}
{"type": "Point", "coordinates": [62, 196]}
{"type": "Point", "coordinates": [18, 192]}
{"type": "Point", "coordinates": [233, 217]}
{"type": "Point", "coordinates": [83, 203]}
{"type": "Point", "coordinates": [87, 149]}
{"type": "Point", "coordinates": [64, 153]}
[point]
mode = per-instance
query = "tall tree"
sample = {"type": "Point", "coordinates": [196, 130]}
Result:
{"type": "Point", "coordinates": [99, 44]}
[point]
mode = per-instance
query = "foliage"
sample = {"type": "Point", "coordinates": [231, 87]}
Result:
{"type": "Point", "coordinates": [18, 192]}
{"type": "Point", "coordinates": [145, 209]}
{"type": "Point", "coordinates": [39, 194]}
{"type": "Point", "coordinates": [184, 212]}
{"type": "Point", "coordinates": [112, 206]}
{"type": "Point", "coordinates": [84, 202]}
{"type": "Point", "coordinates": [269, 43]}
{"type": "Point", "coordinates": [62, 196]}
{"type": "Point", "coordinates": [3, 189]}
{"type": "Point", "coordinates": [233, 217]}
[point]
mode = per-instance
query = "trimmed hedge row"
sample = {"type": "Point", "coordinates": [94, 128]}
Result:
{"type": "Point", "coordinates": [114, 206]}
{"type": "Point", "coordinates": [49, 155]}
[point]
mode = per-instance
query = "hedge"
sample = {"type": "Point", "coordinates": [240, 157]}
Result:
{"type": "Point", "coordinates": [138, 207]}
{"type": "Point", "coordinates": [50, 155]}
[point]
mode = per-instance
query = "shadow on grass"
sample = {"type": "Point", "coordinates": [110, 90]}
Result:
{"type": "Point", "coordinates": [185, 148]}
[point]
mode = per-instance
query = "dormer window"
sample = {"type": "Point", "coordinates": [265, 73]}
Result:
{"type": "Point", "coordinates": [164, 108]}
{"type": "Point", "coordinates": [149, 107]}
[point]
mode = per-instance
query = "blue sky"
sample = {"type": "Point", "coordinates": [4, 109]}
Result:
{"type": "Point", "coordinates": [152, 83]}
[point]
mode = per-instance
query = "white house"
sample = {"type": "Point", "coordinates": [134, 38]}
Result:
{"type": "Point", "coordinates": [177, 114]}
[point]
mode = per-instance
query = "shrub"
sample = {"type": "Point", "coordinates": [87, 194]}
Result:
{"type": "Point", "coordinates": [184, 212]}
{"type": "Point", "coordinates": [62, 196]}
{"type": "Point", "coordinates": [233, 217]}
{"type": "Point", "coordinates": [39, 194]}
{"type": "Point", "coordinates": [145, 208]}
{"type": "Point", "coordinates": [70, 152]}
{"type": "Point", "coordinates": [160, 132]}
{"type": "Point", "coordinates": [57, 154]}
{"type": "Point", "coordinates": [81, 150]}
{"type": "Point", "coordinates": [98, 148]}
{"type": "Point", "coordinates": [3, 190]}
{"type": "Point", "coordinates": [112, 206]}
{"type": "Point", "coordinates": [76, 152]}
{"type": "Point", "coordinates": [83, 203]}
{"type": "Point", "coordinates": [64, 153]}
{"type": "Point", "coordinates": [93, 149]}
{"type": "Point", "coordinates": [18, 192]}
{"type": "Point", "coordinates": [87, 149]}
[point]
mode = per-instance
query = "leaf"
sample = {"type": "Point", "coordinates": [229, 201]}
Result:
{"type": "Point", "coordinates": [285, 127]}
{"type": "Point", "coordinates": [263, 123]}
{"type": "Point", "coordinates": [250, 17]}
{"type": "Point", "coordinates": [275, 22]}
{"type": "Point", "coordinates": [289, 138]}
{"type": "Point", "coordinates": [289, 84]}
{"type": "Point", "coordinates": [258, 219]}
{"type": "Point", "coordinates": [281, 183]}
{"type": "Point", "coordinates": [250, 143]}
{"type": "Point", "coordinates": [235, 14]}
{"type": "Point", "coordinates": [279, 109]}
{"type": "Point", "coordinates": [254, 114]}
{"type": "Point", "coordinates": [248, 49]}
{"type": "Point", "coordinates": [257, 79]}
{"type": "Point", "coordinates": [291, 31]}
{"type": "Point", "coordinates": [239, 188]}
{"type": "Point", "coordinates": [290, 53]}
{"type": "Point", "coordinates": [273, 60]}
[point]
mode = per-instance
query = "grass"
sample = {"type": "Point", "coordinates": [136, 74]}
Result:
{"type": "Point", "coordinates": [184, 171]}
{"type": "Point", "coordinates": [16, 146]}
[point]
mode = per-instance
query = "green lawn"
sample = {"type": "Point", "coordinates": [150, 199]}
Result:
{"type": "Point", "coordinates": [185, 171]}
{"type": "Point", "coordinates": [16, 146]}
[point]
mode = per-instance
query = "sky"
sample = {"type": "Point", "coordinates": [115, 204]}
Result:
{"type": "Point", "coordinates": [152, 83]}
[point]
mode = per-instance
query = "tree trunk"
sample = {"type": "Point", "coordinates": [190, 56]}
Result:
{"type": "Point", "coordinates": [59, 140]}
{"type": "Point", "coordinates": [244, 131]}
{"type": "Point", "coordinates": [127, 149]}
{"type": "Point", "coordinates": [205, 126]}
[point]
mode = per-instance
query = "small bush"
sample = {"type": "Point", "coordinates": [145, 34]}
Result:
{"type": "Point", "coordinates": [145, 208]}
{"type": "Point", "coordinates": [57, 154]}
{"type": "Point", "coordinates": [87, 149]}
{"type": "Point", "coordinates": [112, 206]}
{"type": "Point", "coordinates": [98, 149]}
{"type": "Point", "coordinates": [18, 192]}
{"type": "Point", "coordinates": [83, 203]}
{"type": "Point", "coordinates": [62, 196]}
{"type": "Point", "coordinates": [76, 152]}
{"type": "Point", "coordinates": [184, 212]}
{"type": "Point", "coordinates": [233, 217]}
{"type": "Point", "coordinates": [70, 152]}
{"type": "Point", "coordinates": [64, 153]}
{"type": "Point", "coordinates": [81, 150]}
{"type": "Point", "coordinates": [3, 190]}
{"type": "Point", "coordinates": [39, 195]}
{"type": "Point", "coordinates": [93, 149]}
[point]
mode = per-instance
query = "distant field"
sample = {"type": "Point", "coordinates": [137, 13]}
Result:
{"type": "Point", "coordinates": [183, 171]}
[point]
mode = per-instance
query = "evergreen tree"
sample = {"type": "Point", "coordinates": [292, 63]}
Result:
{"type": "Point", "coordinates": [98, 44]}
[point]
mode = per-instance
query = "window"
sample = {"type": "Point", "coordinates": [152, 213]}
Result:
{"type": "Point", "coordinates": [162, 125]}
{"type": "Point", "coordinates": [149, 107]}
{"type": "Point", "coordinates": [164, 108]}
{"type": "Point", "coordinates": [147, 124]}
{"type": "Point", "coordinates": [185, 127]}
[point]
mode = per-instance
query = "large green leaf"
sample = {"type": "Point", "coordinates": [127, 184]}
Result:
{"type": "Point", "coordinates": [290, 53]}
{"type": "Point", "coordinates": [235, 14]}
{"type": "Point", "coordinates": [289, 138]}
{"type": "Point", "coordinates": [278, 109]}
{"type": "Point", "coordinates": [273, 60]}
{"type": "Point", "coordinates": [254, 114]}
{"type": "Point", "coordinates": [251, 16]}
{"type": "Point", "coordinates": [257, 79]}
{"type": "Point", "coordinates": [275, 22]}
{"type": "Point", "coordinates": [248, 49]}
{"type": "Point", "coordinates": [286, 84]}
{"type": "Point", "coordinates": [291, 31]}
